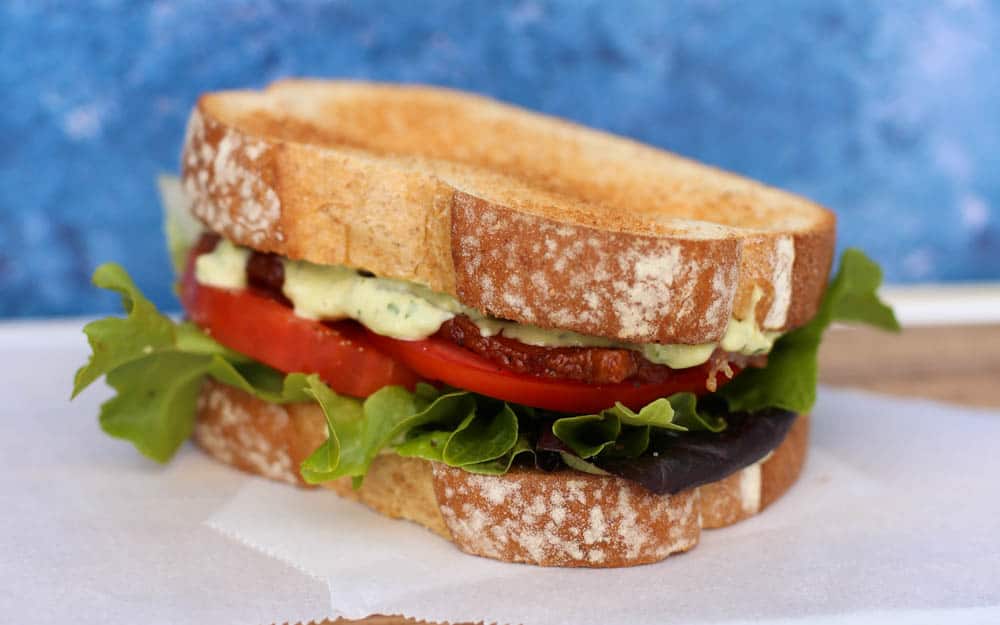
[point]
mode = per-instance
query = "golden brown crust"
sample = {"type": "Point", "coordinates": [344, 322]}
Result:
{"type": "Point", "coordinates": [517, 214]}
{"type": "Point", "coordinates": [731, 499]}
{"type": "Point", "coordinates": [784, 466]}
{"type": "Point", "coordinates": [593, 281]}
{"type": "Point", "coordinates": [564, 518]}
{"type": "Point", "coordinates": [400, 488]}
{"type": "Point", "coordinates": [551, 519]}
{"type": "Point", "coordinates": [750, 490]}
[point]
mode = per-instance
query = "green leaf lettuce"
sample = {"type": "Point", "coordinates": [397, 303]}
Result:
{"type": "Point", "coordinates": [156, 367]}
{"type": "Point", "coordinates": [789, 380]}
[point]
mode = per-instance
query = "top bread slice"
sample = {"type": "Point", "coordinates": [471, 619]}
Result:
{"type": "Point", "coordinates": [520, 215]}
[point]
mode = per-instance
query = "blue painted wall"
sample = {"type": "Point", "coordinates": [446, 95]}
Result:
{"type": "Point", "coordinates": [888, 112]}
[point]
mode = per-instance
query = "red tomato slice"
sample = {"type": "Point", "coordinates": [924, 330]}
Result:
{"type": "Point", "coordinates": [265, 330]}
{"type": "Point", "coordinates": [439, 359]}
{"type": "Point", "coordinates": [357, 362]}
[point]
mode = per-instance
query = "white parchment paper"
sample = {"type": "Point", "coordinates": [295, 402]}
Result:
{"type": "Point", "coordinates": [91, 532]}
{"type": "Point", "coordinates": [896, 519]}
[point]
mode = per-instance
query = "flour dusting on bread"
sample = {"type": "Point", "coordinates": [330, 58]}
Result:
{"type": "Point", "coordinates": [781, 282]}
{"type": "Point", "coordinates": [545, 272]}
{"type": "Point", "coordinates": [564, 519]}
{"type": "Point", "coordinates": [222, 176]}
{"type": "Point", "coordinates": [236, 433]}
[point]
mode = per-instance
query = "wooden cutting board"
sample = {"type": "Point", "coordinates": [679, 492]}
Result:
{"type": "Point", "coordinates": [959, 364]}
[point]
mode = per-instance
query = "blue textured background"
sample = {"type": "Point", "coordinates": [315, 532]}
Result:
{"type": "Point", "coordinates": [888, 112]}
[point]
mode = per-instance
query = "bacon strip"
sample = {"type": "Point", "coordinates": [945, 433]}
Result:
{"type": "Point", "coordinates": [594, 365]}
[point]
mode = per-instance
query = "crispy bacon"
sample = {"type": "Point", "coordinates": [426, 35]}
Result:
{"type": "Point", "coordinates": [598, 366]}
{"type": "Point", "coordinates": [595, 365]}
{"type": "Point", "coordinates": [729, 364]}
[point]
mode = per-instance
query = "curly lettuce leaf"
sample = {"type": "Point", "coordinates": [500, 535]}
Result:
{"type": "Point", "coordinates": [356, 434]}
{"type": "Point", "coordinates": [790, 378]}
{"type": "Point", "coordinates": [659, 413]}
{"type": "Point", "coordinates": [588, 435]}
{"type": "Point", "coordinates": [115, 341]}
{"type": "Point", "coordinates": [428, 445]}
{"type": "Point", "coordinates": [622, 432]}
{"type": "Point", "coordinates": [488, 448]}
{"type": "Point", "coordinates": [481, 438]}
{"type": "Point", "coordinates": [156, 367]}
{"type": "Point", "coordinates": [459, 429]}
{"type": "Point", "coordinates": [688, 416]}
{"type": "Point", "coordinates": [501, 465]}
{"type": "Point", "coordinates": [145, 409]}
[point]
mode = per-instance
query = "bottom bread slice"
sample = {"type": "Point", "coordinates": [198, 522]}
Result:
{"type": "Point", "coordinates": [560, 518]}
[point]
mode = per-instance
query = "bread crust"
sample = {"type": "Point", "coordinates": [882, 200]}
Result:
{"type": "Point", "coordinates": [564, 518]}
{"type": "Point", "coordinates": [519, 215]}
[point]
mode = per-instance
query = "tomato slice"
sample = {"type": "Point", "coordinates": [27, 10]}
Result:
{"type": "Point", "coordinates": [440, 359]}
{"type": "Point", "coordinates": [267, 331]}
{"type": "Point", "coordinates": [355, 361]}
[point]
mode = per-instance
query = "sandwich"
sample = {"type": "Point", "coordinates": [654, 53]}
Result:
{"type": "Point", "coordinates": [544, 343]}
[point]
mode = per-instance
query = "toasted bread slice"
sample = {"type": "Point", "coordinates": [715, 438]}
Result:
{"type": "Point", "coordinates": [564, 518]}
{"type": "Point", "coordinates": [519, 215]}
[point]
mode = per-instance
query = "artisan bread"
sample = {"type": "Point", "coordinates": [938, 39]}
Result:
{"type": "Point", "coordinates": [519, 215]}
{"type": "Point", "coordinates": [564, 518]}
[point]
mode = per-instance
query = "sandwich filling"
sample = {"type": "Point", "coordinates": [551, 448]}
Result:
{"type": "Point", "coordinates": [409, 311]}
{"type": "Point", "coordinates": [453, 350]}
{"type": "Point", "coordinates": [398, 368]}
{"type": "Point", "coordinates": [406, 311]}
